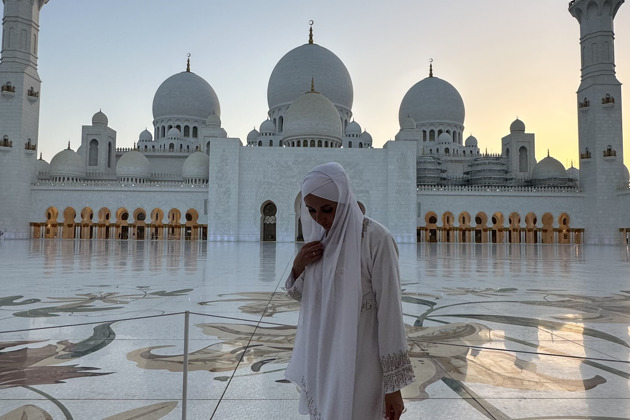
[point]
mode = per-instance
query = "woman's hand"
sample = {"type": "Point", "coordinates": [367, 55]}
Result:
{"type": "Point", "coordinates": [394, 405]}
{"type": "Point", "coordinates": [310, 252]}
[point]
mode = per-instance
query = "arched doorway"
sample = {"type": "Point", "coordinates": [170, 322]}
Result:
{"type": "Point", "coordinates": [481, 226]}
{"type": "Point", "coordinates": [448, 230]}
{"type": "Point", "coordinates": [104, 217]}
{"type": "Point", "coordinates": [431, 227]}
{"type": "Point", "coordinates": [157, 224]}
{"type": "Point", "coordinates": [268, 221]}
{"type": "Point", "coordinates": [564, 231]}
{"type": "Point", "coordinates": [191, 230]}
{"type": "Point", "coordinates": [122, 219]}
{"type": "Point", "coordinates": [140, 217]}
{"type": "Point", "coordinates": [51, 222]}
{"type": "Point", "coordinates": [86, 223]}
{"type": "Point", "coordinates": [174, 227]}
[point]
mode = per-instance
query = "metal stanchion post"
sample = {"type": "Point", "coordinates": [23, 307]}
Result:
{"type": "Point", "coordinates": [185, 369]}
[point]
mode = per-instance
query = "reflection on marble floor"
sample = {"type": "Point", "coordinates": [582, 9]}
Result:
{"type": "Point", "coordinates": [94, 330]}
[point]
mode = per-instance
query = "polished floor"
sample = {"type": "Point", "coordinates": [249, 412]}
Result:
{"type": "Point", "coordinates": [95, 330]}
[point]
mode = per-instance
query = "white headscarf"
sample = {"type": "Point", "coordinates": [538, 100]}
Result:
{"type": "Point", "coordinates": [324, 355]}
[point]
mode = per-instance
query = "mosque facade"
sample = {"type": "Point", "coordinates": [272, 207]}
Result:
{"type": "Point", "coordinates": [188, 180]}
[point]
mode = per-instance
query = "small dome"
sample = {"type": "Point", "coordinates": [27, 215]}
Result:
{"type": "Point", "coordinates": [145, 136]}
{"type": "Point", "coordinates": [408, 123]}
{"type": "Point", "coordinates": [517, 126]}
{"type": "Point", "coordinates": [310, 62]}
{"type": "Point", "coordinates": [267, 127]}
{"type": "Point", "coordinates": [196, 166]}
{"type": "Point", "coordinates": [445, 138]}
{"type": "Point", "coordinates": [366, 137]}
{"type": "Point", "coordinates": [213, 120]}
{"type": "Point", "coordinates": [432, 100]}
{"type": "Point", "coordinates": [185, 95]}
{"type": "Point", "coordinates": [549, 168]}
{"type": "Point", "coordinates": [253, 135]}
{"type": "Point", "coordinates": [133, 164]}
{"type": "Point", "coordinates": [312, 115]}
{"type": "Point", "coordinates": [174, 133]}
{"type": "Point", "coordinates": [353, 128]}
{"type": "Point", "coordinates": [41, 169]}
{"type": "Point", "coordinates": [470, 141]}
{"type": "Point", "coordinates": [100, 119]}
{"type": "Point", "coordinates": [573, 173]}
{"type": "Point", "coordinates": [67, 163]}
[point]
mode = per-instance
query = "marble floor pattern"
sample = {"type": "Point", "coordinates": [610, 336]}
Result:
{"type": "Point", "coordinates": [95, 330]}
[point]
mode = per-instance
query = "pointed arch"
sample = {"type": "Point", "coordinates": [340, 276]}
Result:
{"type": "Point", "coordinates": [174, 224]}
{"type": "Point", "coordinates": [157, 223]}
{"type": "Point", "coordinates": [192, 225]}
{"type": "Point", "coordinates": [481, 228]}
{"type": "Point", "coordinates": [51, 222]}
{"type": "Point", "coordinates": [448, 227]}
{"type": "Point", "coordinates": [431, 228]}
{"type": "Point", "coordinates": [268, 211]}
{"type": "Point", "coordinates": [139, 217]}
{"type": "Point", "coordinates": [564, 229]}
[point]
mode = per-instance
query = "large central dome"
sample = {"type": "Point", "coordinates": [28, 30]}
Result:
{"type": "Point", "coordinates": [185, 95]}
{"type": "Point", "coordinates": [293, 74]}
{"type": "Point", "coordinates": [432, 100]}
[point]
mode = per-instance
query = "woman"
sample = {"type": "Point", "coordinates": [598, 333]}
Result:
{"type": "Point", "coordinates": [350, 358]}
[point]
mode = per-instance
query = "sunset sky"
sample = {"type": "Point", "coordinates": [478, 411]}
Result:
{"type": "Point", "coordinates": [507, 58]}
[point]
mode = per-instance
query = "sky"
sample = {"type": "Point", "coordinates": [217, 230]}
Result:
{"type": "Point", "coordinates": [507, 59]}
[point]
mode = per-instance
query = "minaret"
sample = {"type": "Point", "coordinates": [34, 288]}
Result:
{"type": "Point", "coordinates": [19, 113]}
{"type": "Point", "coordinates": [599, 121]}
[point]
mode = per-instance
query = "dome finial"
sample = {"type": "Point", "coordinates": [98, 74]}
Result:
{"type": "Point", "coordinates": [310, 31]}
{"type": "Point", "coordinates": [430, 67]}
{"type": "Point", "coordinates": [547, 152]}
{"type": "Point", "coordinates": [68, 144]}
{"type": "Point", "coordinates": [188, 64]}
{"type": "Point", "coordinates": [312, 84]}
{"type": "Point", "coordinates": [40, 157]}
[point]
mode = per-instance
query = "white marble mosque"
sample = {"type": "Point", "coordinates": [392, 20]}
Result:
{"type": "Point", "coordinates": [151, 283]}
{"type": "Point", "coordinates": [189, 179]}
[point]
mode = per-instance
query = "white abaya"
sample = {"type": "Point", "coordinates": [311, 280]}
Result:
{"type": "Point", "coordinates": [382, 365]}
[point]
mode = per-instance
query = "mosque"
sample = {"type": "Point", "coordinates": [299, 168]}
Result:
{"type": "Point", "coordinates": [188, 180]}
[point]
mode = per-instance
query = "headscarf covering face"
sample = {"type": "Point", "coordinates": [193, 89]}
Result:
{"type": "Point", "coordinates": [324, 356]}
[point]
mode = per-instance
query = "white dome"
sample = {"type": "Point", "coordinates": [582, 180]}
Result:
{"type": "Point", "coordinates": [408, 123]}
{"type": "Point", "coordinates": [133, 164]}
{"type": "Point", "coordinates": [432, 100]}
{"type": "Point", "coordinates": [366, 137]}
{"type": "Point", "coordinates": [548, 168]}
{"type": "Point", "coordinates": [253, 135]}
{"type": "Point", "coordinates": [353, 128]}
{"type": "Point", "coordinates": [517, 126]}
{"type": "Point", "coordinates": [445, 138]}
{"type": "Point", "coordinates": [196, 166]}
{"type": "Point", "coordinates": [145, 136]}
{"type": "Point", "coordinates": [625, 175]}
{"type": "Point", "coordinates": [67, 163]}
{"type": "Point", "coordinates": [100, 119]}
{"type": "Point", "coordinates": [294, 72]}
{"type": "Point", "coordinates": [312, 115]}
{"type": "Point", "coordinates": [267, 127]}
{"type": "Point", "coordinates": [214, 120]}
{"type": "Point", "coordinates": [471, 141]}
{"type": "Point", "coordinates": [174, 133]}
{"type": "Point", "coordinates": [185, 95]}
{"type": "Point", "coordinates": [573, 173]}
{"type": "Point", "coordinates": [42, 168]}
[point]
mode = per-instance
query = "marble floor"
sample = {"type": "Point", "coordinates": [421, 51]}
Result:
{"type": "Point", "coordinates": [95, 330]}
